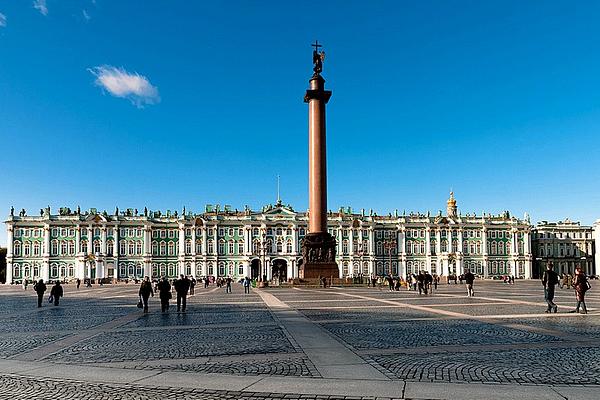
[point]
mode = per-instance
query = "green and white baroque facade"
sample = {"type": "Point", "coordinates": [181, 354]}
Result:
{"type": "Point", "coordinates": [124, 245]}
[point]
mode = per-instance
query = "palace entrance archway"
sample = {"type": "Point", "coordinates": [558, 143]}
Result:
{"type": "Point", "coordinates": [279, 270]}
{"type": "Point", "coordinates": [255, 269]}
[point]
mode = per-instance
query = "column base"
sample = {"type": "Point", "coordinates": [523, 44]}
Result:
{"type": "Point", "coordinates": [318, 257]}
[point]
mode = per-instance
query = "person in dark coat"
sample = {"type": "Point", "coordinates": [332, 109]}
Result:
{"type": "Point", "coordinates": [182, 285]}
{"type": "Point", "coordinates": [145, 292]}
{"type": "Point", "coordinates": [164, 290]}
{"type": "Point", "coordinates": [581, 285]}
{"type": "Point", "coordinates": [40, 289]}
{"type": "Point", "coordinates": [421, 282]}
{"type": "Point", "coordinates": [550, 280]}
{"type": "Point", "coordinates": [228, 281]}
{"type": "Point", "coordinates": [247, 285]}
{"type": "Point", "coordinates": [192, 285]}
{"type": "Point", "coordinates": [469, 279]}
{"type": "Point", "coordinates": [78, 283]}
{"type": "Point", "coordinates": [56, 292]}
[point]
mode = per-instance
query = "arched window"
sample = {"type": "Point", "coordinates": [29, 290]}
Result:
{"type": "Point", "coordinates": [211, 247]}
{"type": "Point", "coordinates": [345, 247]}
{"type": "Point", "coordinates": [163, 248]}
{"type": "Point", "coordinates": [455, 246]}
{"type": "Point", "coordinates": [409, 247]}
{"type": "Point", "coordinates": [27, 248]}
{"type": "Point", "coordinates": [188, 247]}
{"type": "Point", "coordinates": [17, 248]}
{"type": "Point", "coordinates": [240, 247]}
{"type": "Point", "coordinates": [63, 270]}
{"type": "Point", "coordinates": [444, 246]}
{"type": "Point", "coordinates": [122, 270]}
{"type": "Point", "coordinates": [84, 246]}
{"type": "Point", "coordinates": [302, 232]}
{"type": "Point", "coordinates": [71, 270]}
{"type": "Point", "coordinates": [256, 247]}
{"type": "Point", "coordinates": [131, 248]}
{"type": "Point", "coordinates": [131, 269]}
{"type": "Point", "coordinates": [289, 248]}
{"type": "Point", "coordinates": [278, 231]}
{"type": "Point", "coordinates": [54, 270]}
{"type": "Point", "coordinates": [155, 271]}
{"type": "Point", "coordinates": [231, 247]}
{"type": "Point", "coordinates": [188, 269]}
{"type": "Point", "coordinates": [36, 249]}
{"type": "Point", "coordinates": [221, 269]}
{"type": "Point", "coordinates": [72, 248]}
{"type": "Point", "coordinates": [171, 248]}
{"type": "Point", "coordinates": [36, 271]}
{"type": "Point", "coordinates": [199, 246]}
{"type": "Point", "coordinates": [16, 271]}
{"type": "Point", "coordinates": [422, 248]}
{"type": "Point", "coordinates": [154, 248]}
{"type": "Point", "coordinates": [96, 246]}
{"type": "Point", "coordinates": [279, 247]}
{"type": "Point", "coordinates": [139, 248]}
{"type": "Point", "coordinates": [122, 247]}
{"type": "Point", "coordinates": [478, 248]}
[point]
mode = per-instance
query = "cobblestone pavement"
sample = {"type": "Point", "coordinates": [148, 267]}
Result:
{"type": "Point", "coordinates": [501, 336]}
{"type": "Point", "coordinates": [22, 388]}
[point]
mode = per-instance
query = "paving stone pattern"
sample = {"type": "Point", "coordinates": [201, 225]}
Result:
{"type": "Point", "coordinates": [173, 344]}
{"type": "Point", "coordinates": [24, 388]}
{"type": "Point", "coordinates": [290, 366]}
{"type": "Point", "coordinates": [386, 335]}
{"type": "Point", "coordinates": [575, 366]}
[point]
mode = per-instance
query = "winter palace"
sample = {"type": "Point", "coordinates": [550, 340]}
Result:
{"type": "Point", "coordinates": [225, 242]}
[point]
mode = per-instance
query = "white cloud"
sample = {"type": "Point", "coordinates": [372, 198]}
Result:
{"type": "Point", "coordinates": [120, 83]}
{"type": "Point", "coordinates": [86, 15]}
{"type": "Point", "coordinates": [2, 20]}
{"type": "Point", "coordinates": [40, 5]}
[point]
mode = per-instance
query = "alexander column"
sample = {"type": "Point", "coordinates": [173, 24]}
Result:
{"type": "Point", "coordinates": [318, 247]}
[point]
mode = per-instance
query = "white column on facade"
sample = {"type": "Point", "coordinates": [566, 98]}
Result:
{"type": "Point", "coordinates": [339, 243]}
{"type": "Point", "coordinates": [460, 241]}
{"type": "Point", "coordinates": [204, 240]}
{"type": "Point", "coordinates": [294, 240]}
{"type": "Point", "coordinates": [194, 247]}
{"type": "Point", "coordinates": [527, 242]}
{"type": "Point", "coordinates": [371, 241]}
{"type": "Point", "coordinates": [103, 240]}
{"type": "Point", "coordinates": [9, 254]}
{"type": "Point", "coordinates": [46, 240]}
{"type": "Point", "coordinates": [428, 241]}
{"type": "Point", "coordinates": [401, 246]}
{"type": "Point", "coordinates": [484, 239]}
{"type": "Point", "coordinates": [147, 241]}
{"type": "Point", "coordinates": [9, 239]}
{"type": "Point", "coordinates": [116, 235]}
{"type": "Point", "coordinates": [438, 242]}
{"type": "Point", "coordinates": [45, 270]}
{"type": "Point", "coordinates": [351, 241]}
{"type": "Point", "coordinates": [181, 245]}
{"type": "Point", "coordinates": [77, 239]}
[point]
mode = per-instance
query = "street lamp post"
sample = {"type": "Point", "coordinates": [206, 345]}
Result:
{"type": "Point", "coordinates": [262, 279]}
{"type": "Point", "coordinates": [389, 245]}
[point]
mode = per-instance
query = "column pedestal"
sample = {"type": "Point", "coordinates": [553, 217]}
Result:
{"type": "Point", "coordinates": [318, 255]}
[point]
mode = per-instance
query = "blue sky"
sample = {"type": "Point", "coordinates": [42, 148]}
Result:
{"type": "Point", "coordinates": [498, 100]}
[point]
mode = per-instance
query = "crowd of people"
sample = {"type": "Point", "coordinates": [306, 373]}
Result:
{"type": "Point", "coordinates": [423, 282]}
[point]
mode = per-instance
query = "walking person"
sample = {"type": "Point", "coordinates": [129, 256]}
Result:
{"type": "Point", "coordinates": [164, 293]}
{"type": "Point", "coordinates": [182, 285]}
{"type": "Point", "coordinates": [421, 282]}
{"type": "Point", "coordinates": [78, 283]}
{"type": "Point", "coordinates": [40, 289]}
{"type": "Point", "coordinates": [192, 285]}
{"type": "Point", "coordinates": [469, 279]}
{"type": "Point", "coordinates": [246, 285]}
{"type": "Point", "coordinates": [145, 292]}
{"type": "Point", "coordinates": [228, 281]}
{"type": "Point", "coordinates": [56, 292]}
{"type": "Point", "coordinates": [549, 280]}
{"type": "Point", "coordinates": [25, 283]}
{"type": "Point", "coordinates": [581, 285]}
